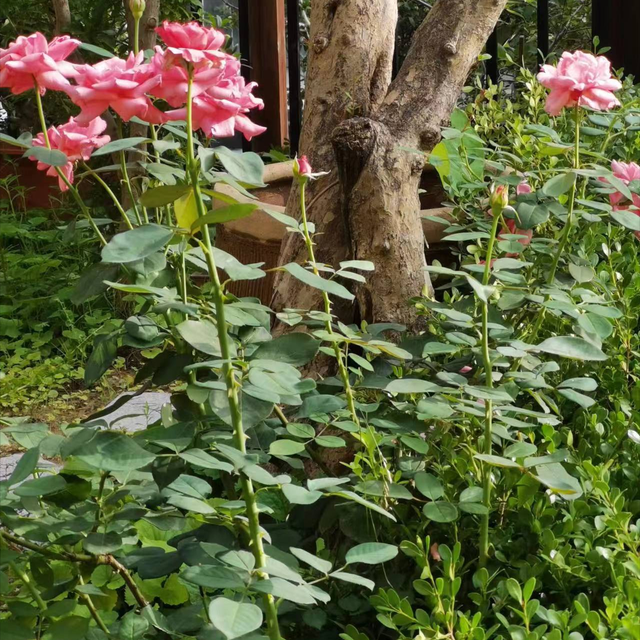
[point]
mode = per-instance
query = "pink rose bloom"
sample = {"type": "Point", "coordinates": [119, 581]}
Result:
{"type": "Point", "coordinates": [174, 81]}
{"type": "Point", "coordinates": [119, 84]}
{"type": "Point", "coordinates": [77, 142]}
{"type": "Point", "coordinates": [304, 166]}
{"type": "Point", "coordinates": [222, 109]}
{"type": "Point", "coordinates": [580, 78]}
{"type": "Point", "coordinates": [192, 42]}
{"type": "Point", "coordinates": [32, 57]}
{"type": "Point", "coordinates": [523, 188]}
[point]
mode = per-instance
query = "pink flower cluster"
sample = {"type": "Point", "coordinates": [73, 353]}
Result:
{"type": "Point", "coordinates": [77, 142]}
{"type": "Point", "coordinates": [579, 79]}
{"type": "Point", "coordinates": [221, 99]}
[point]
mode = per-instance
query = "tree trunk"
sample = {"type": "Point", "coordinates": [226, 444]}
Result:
{"type": "Point", "coordinates": [63, 16]}
{"type": "Point", "coordinates": [373, 213]}
{"type": "Point", "coordinates": [350, 58]}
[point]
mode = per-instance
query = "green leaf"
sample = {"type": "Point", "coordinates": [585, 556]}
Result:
{"type": "Point", "coordinates": [189, 504]}
{"type": "Point", "coordinates": [497, 461]}
{"type": "Point", "coordinates": [163, 195]}
{"type": "Point", "coordinates": [330, 442]}
{"type": "Point", "coordinates": [225, 214]}
{"type": "Point", "coordinates": [363, 265]}
{"type": "Point", "coordinates": [440, 511]}
{"type": "Point", "coordinates": [572, 347]}
{"type": "Point", "coordinates": [214, 577]}
{"type": "Point", "coordinates": [136, 244]}
{"type": "Point", "coordinates": [371, 553]}
{"type": "Point", "coordinates": [581, 274]}
{"type": "Point", "coordinates": [428, 485]}
{"type": "Point", "coordinates": [559, 184]}
{"type": "Point", "coordinates": [555, 477]}
{"type": "Point", "coordinates": [92, 282]}
{"type": "Point", "coordinates": [627, 219]}
{"type": "Point", "coordinates": [25, 467]}
{"type": "Point", "coordinates": [521, 450]}
{"type": "Point", "coordinates": [299, 495]}
{"type": "Point", "coordinates": [199, 458]}
{"type": "Point", "coordinates": [202, 335]}
{"type": "Point", "coordinates": [466, 235]}
{"type": "Point", "coordinates": [300, 430]}
{"type": "Point", "coordinates": [247, 168]}
{"type": "Point", "coordinates": [119, 145]}
{"type": "Point", "coordinates": [43, 486]}
{"type": "Point", "coordinates": [482, 291]}
{"type": "Point", "coordinates": [578, 398]}
{"type": "Point", "coordinates": [383, 489]}
{"type": "Point", "coordinates": [68, 628]}
{"type": "Point", "coordinates": [317, 282]}
{"type": "Point", "coordinates": [104, 353]}
{"type": "Point", "coordinates": [186, 210]}
{"type": "Point", "coordinates": [411, 385]}
{"type": "Point", "coordinates": [323, 566]}
{"type": "Point", "coordinates": [296, 349]}
{"type": "Point", "coordinates": [110, 451]}
{"type": "Point", "coordinates": [285, 447]}
{"type": "Point", "coordinates": [99, 543]}
{"type": "Point", "coordinates": [474, 508]}
{"type": "Point", "coordinates": [99, 51]}
{"type": "Point", "coordinates": [52, 157]}
{"type": "Point", "coordinates": [234, 619]}
{"type": "Point", "coordinates": [352, 578]}
{"type": "Point", "coordinates": [132, 626]}
{"type": "Point", "coordinates": [513, 587]}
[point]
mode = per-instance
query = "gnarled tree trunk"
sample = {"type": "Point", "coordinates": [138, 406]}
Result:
{"type": "Point", "coordinates": [372, 134]}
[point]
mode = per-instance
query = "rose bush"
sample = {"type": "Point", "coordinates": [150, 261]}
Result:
{"type": "Point", "coordinates": [485, 435]}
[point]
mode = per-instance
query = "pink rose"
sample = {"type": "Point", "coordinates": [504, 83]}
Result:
{"type": "Point", "coordinates": [580, 78]}
{"type": "Point", "coordinates": [523, 188]}
{"type": "Point", "coordinates": [192, 42]}
{"type": "Point", "coordinates": [31, 59]}
{"type": "Point", "coordinates": [221, 110]}
{"type": "Point", "coordinates": [174, 82]}
{"type": "Point", "coordinates": [513, 229]}
{"type": "Point", "coordinates": [75, 141]}
{"type": "Point", "coordinates": [304, 166]}
{"type": "Point", "coordinates": [119, 84]}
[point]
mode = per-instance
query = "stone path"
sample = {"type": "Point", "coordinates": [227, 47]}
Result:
{"type": "Point", "coordinates": [135, 415]}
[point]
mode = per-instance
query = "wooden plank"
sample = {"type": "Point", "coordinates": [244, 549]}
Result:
{"type": "Point", "coordinates": [268, 61]}
{"type": "Point", "coordinates": [617, 23]}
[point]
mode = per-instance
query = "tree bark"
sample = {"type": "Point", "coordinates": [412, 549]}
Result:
{"type": "Point", "coordinates": [373, 213]}
{"type": "Point", "coordinates": [350, 60]}
{"type": "Point", "coordinates": [63, 16]}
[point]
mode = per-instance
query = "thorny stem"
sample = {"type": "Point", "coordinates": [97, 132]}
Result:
{"type": "Point", "coordinates": [92, 609]}
{"type": "Point", "coordinates": [125, 177]}
{"type": "Point", "coordinates": [340, 358]}
{"type": "Point", "coordinates": [488, 405]}
{"type": "Point", "coordinates": [112, 195]}
{"type": "Point", "coordinates": [239, 436]}
{"type": "Point", "coordinates": [72, 189]}
{"type": "Point", "coordinates": [566, 232]}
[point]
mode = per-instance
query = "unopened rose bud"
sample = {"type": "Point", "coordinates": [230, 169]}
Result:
{"type": "Point", "coordinates": [137, 8]}
{"type": "Point", "coordinates": [302, 167]}
{"type": "Point", "coordinates": [499, 197]}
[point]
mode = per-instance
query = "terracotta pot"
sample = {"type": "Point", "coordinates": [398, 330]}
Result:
{"type": "Point", "coordinates": [41, 190]}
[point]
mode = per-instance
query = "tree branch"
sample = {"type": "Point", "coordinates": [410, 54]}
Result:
{"type": "Point", "coordinates": [63, 16]}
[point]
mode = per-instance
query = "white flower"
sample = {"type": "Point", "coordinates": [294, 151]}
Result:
{"type": "Point", "coordinates": [634, 435]}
